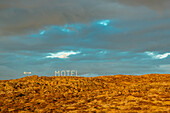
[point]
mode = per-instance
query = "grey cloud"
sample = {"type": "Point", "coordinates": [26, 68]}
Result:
{"type": "Point", "coordinates": [26, 16]}
{"type": "Point", "coordinates": [153, 4]}
{"type": "Point", "coordinates": [22, 16]}
{"type": "Point", "coordinates": [137, 26]}
{"type": "Point", "coordinates": [138, 36]}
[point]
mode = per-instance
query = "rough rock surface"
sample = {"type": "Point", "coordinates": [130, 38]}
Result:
{"type": "Point", "coordinates": [110, 94]}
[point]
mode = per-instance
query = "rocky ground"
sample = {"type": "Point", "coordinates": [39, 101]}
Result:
{"type": "Point", "coordinates": [105, 94]}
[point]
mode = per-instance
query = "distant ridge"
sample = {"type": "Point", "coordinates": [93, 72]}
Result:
{"type": "Point", "coordinates": [36, 76]}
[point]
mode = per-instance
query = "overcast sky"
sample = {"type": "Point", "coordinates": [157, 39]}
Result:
{"type": "Point", "coordinates": [94, 37]}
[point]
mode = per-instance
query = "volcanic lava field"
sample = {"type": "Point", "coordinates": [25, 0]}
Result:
{"type": "Point", "coordinates": [148, 93]}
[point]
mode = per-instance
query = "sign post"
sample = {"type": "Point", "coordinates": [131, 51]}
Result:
{"type": "Point", "coordinates": [27, 73]}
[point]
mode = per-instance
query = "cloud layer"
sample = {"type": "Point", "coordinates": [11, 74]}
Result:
{"type": "Point", "coordinates": [22, 16]}
{"type": "Point", "coordinates": [96, 37]}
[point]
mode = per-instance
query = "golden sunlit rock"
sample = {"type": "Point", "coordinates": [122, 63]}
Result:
{"type": "Point", "coordinates": [104, 94]}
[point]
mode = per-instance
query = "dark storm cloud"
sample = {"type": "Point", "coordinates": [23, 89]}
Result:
{"type": "Point", "coordinates": [152, 4]}
{"type": "Point", "coordinates": [136, 36]}
{"type": "Point", "coordinates": [23, 16]}
{"type": "Point", "coordinates": [31, 29]}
